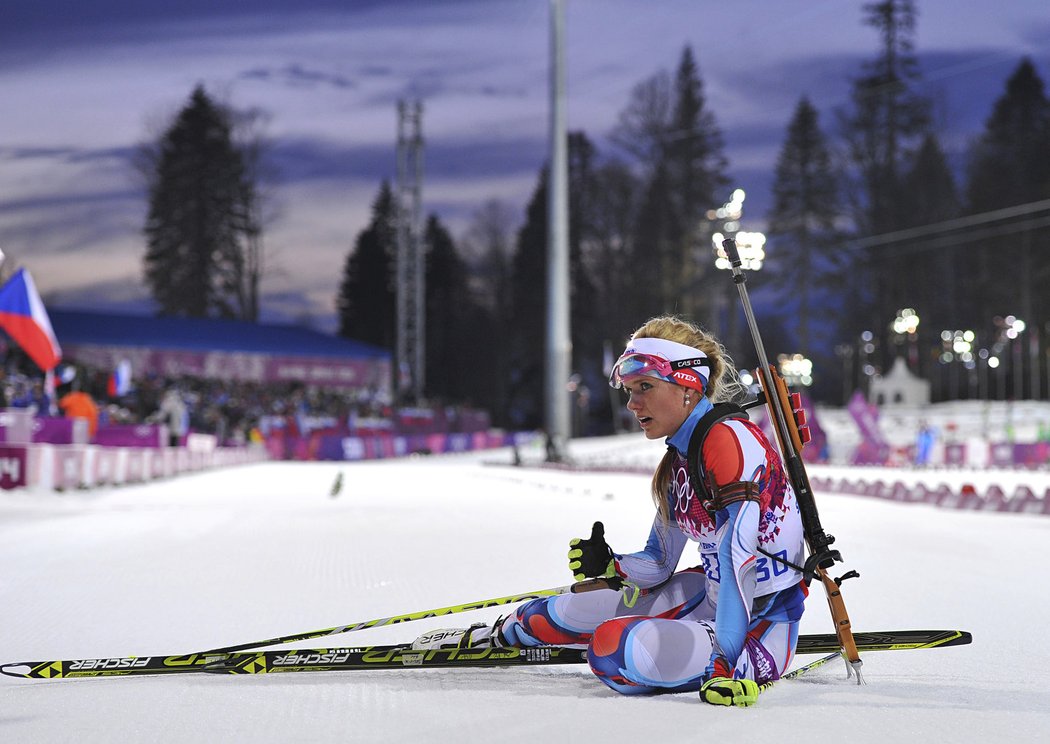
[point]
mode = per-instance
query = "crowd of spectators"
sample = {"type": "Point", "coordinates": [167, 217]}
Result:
{"type": "Point", "coordinates": [234, 412]}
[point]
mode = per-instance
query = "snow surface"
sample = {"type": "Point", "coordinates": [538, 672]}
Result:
{"type": "Point", "coordinates": [226, 557]}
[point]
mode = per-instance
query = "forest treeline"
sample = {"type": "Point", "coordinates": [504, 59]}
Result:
{"type": "Point", "coordinates": [868, 217]}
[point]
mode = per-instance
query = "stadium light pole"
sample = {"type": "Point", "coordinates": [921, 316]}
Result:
{"type": "Point", "coordinates": [559, 341]}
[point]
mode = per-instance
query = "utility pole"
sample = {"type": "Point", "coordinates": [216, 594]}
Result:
{"type": "Point", "coordinates": [559, 341]}
{"type": "Point", "coordinates": [410, 363]}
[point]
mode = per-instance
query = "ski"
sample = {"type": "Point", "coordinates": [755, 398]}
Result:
{"type": "Point", "coordinates": [114, 666]}
{"type": "Point", "coordinates": [399, 657]}
{"type": "Point", "coordinates": [892, 640]}
{"type": "Point", "coordinates": [404, 657]}
{"type": "Point", "coordinates": [392, 657]}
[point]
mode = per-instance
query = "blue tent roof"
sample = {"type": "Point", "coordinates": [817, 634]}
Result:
{"type": "Point", "coordinates": [82, 327]}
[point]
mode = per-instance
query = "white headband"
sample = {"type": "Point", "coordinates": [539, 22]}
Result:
{"type": "Point", "coordinates": [686, 362]}
{"type": "Point", "coordinates": [672, 351]}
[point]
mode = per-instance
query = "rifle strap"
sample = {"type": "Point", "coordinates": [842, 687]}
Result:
{"type": "Point", "coordinates": [732, 493]}
{"type": "Point", "coordinates": [785, 561]}
{"type": "Point", "coordinates": [719, 412]}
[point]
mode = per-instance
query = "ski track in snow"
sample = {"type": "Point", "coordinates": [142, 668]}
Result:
{"type": "Point", "coordinates": [258, 551]}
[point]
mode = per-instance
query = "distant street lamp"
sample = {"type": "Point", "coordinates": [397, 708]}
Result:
{"type": "Point", "coordinates": [729, 213]}
{"type": "Point", "coordinates": [906, 329]}
{"type": "Point", "coordinates": [993, 363]}
{"type": "Point", "coordinates": [750, 246]}
{"type": "Point", "coordinates": [795, 369]}
{"type": "Point", "coordinates": [983, 364]}
{"type": "Point", "coordinates": [1010, 329]}
{"type": "Point", "coordinates": [956, 346]}
{"type": "Point", "coordinates": [868, 370]}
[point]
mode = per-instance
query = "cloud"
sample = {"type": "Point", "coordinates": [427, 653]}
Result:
{"type": "Point", "coordinates": [295, 75]}
{"type": "Point", "coordinates": [122, 295]}
{"type": "Point", "coordinates": [59, 205]}
{"type": "Point", "coordinates": [303, 159]}
{"type": "Point", "coordinates": [330, 73]}
{"type": "Point", "coordinates": [1035, 32]}
{"type": "Point", "coordinates": [67, 154]}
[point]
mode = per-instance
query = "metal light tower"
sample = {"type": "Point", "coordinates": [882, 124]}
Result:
{"type": "Point", "coordinates": [411, 274]}
{"type": "Point", "coordinates": [559, 341]}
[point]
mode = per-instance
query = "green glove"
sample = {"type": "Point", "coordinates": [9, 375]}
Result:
{"type": "Point", "coordinates": [726, 691]}
{"type": "Point", "coordinates": [591, 558]}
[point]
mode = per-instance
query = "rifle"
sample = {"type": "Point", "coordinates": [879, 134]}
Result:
{"type": "Point", "coordinates": [788, 419]}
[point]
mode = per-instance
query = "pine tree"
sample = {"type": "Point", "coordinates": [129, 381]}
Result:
{"type": "Point", "coordinates": [608, 248]}
{"type": "Point", "coordinates": [932, 282]}
{"type": "Point", "coordinates": [201, 216]}
{"type": "Point", "coordinates": [489, 243]}
{"type": "Point", "coordinates": [888, 119]}
{"type": "Point", "coordinates": [453, 319]}
{"type": "Point", "coordinates": [1008, 163]}
{"type": "Point", "coordinates": [693, 151]}
{"type": "Point", "coordinates": [529, 293]}
{"type": "Point", "coordinates": [1008, 167]}
{"type": "Point", "coordinates": [677, 144]}
{"type": "Point", "coordinates": [367, 300]}
{"type": "Point", "coordinates": [804, 242]}
{"type": "Point", "coordinates": [585, 323]}
{"type": "Point", "coordinates": [882, 132]}
{"type": "Point", "coordinates": [652, 243]}
{"type": "Point", "coordinates": [526, 337]}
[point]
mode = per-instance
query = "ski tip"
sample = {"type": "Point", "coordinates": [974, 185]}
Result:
{"type": "Point", "coordinates": [22, 669]}
{"type": "Point", "coordinates": [949, 638]}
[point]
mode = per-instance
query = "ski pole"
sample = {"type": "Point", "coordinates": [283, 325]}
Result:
{"type": "Point", "coordinates": [795, 673]}
{"type": "Point", "coordinates": [581, 586]}
{"type": "Point", "coordinates": [786, 427]}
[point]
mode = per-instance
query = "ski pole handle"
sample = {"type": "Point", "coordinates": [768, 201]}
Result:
{"type": "Point", "coordinates": [729, 246]}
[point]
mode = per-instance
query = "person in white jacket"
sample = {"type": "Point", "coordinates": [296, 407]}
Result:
{"type": "Point", "coordinates": [174, 413]}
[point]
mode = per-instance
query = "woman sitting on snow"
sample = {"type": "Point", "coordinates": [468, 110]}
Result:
{"type": "Point", "coordinates": [723, 628]}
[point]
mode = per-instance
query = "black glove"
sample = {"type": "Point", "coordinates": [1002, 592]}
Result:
{"type": "Point", "coordinates": [591, 558]}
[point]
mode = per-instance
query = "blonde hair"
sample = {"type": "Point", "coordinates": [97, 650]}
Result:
{"type": "Point", "coordinates": [722, 385]}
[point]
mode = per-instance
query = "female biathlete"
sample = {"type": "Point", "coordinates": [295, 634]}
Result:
{"type": "Point", "coordinates": [724, 627]}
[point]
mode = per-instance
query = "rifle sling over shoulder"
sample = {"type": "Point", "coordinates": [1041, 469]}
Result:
{"type": "Point", "coordinates": [731, 493]}
{"type": "Point", "coordinates": [693, 458]}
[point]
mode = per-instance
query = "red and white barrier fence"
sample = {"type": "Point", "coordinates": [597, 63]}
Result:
{"type": "Point", "coordinates": [68, 466]}
{"type": "Point", "coordinates": [1021, 499]}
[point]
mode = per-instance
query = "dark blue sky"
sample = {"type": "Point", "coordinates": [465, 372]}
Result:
{"type": "Point", "coordinates": [84, 83]}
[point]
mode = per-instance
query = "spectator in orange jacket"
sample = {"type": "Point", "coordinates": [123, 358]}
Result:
{"type": "Point", "coordinates": [78, 404]}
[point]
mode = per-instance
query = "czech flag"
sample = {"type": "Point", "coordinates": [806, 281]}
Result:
{"type": "Point", "coordinates": [23, 316]}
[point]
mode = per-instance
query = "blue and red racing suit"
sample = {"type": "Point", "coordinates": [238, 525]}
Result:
{"type": "Point", "coordinates": [735, 615]}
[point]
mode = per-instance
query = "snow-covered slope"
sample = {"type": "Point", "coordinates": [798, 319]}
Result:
{"type": "Point", "coordinates": [263, 550]}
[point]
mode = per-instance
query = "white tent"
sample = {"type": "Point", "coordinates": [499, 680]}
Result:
{"type": "Point", "coordinates": [900, 387]}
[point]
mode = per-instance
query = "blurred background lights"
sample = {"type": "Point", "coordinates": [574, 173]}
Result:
{"type": "Point", "coordinates": [795, 369]}
{"type": "Point", "coordinates": [907, 321]}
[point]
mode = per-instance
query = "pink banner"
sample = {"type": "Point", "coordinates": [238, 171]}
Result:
{"type": "Point", "coordinates": [873, 449]}
{"type": "Point", "coordinates": [131, 435]}
{"type": "Point", "coordinates": [59, 430]}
